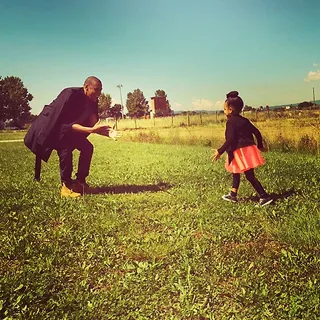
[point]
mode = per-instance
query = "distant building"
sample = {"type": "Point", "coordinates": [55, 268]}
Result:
{"type": "Point", "coordinates": [159, 107]}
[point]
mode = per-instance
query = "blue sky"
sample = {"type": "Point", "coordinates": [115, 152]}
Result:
{"type": "Point", "coordinates": [196, 51]}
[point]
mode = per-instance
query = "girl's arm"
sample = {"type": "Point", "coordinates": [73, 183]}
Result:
{"type": "Point", "coordinates": [230, 138]}
{"type": "Point", "coordinates": [258, 136]}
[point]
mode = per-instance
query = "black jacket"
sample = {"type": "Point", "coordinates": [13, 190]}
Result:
{"type": "Point", "coordinates": [239, 133]}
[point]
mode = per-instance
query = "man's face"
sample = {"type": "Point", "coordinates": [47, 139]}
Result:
{"type": "Point", "coordinates": [93, 90]}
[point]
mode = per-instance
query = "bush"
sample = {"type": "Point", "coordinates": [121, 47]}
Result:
{"type": "Point", "coordinates": [283, 144]}
{"type": "Point", "coordinates": [308, 144]}
{"type": "Point", "coordinates": [152, 137]}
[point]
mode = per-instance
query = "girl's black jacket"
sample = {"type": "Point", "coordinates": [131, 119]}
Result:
{"type": "Point", "coordinates": [239, 133]}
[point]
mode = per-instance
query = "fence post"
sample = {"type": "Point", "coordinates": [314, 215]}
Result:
{"type": "Point", "coordinates": [135, 123]}
{"type": "Point", "coordinates": [188, 118]}
{"type": "Point", "coordinates": [216, 116]}
{"type": "Point", "coordinates": [172, 120]}
{"type": "Point", "coordinates": [200, 117]}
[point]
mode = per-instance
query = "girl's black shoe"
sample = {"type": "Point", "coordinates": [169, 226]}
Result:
{"type": "Point", "coordinates": [229, 197]}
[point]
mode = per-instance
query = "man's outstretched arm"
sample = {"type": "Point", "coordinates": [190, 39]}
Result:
{"type": "Point", "coordinates": [98, 128]}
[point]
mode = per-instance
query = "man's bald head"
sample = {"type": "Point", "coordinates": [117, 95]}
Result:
{"type": "Point", "coordinates": [92, 88]}
{"type": "Point", "coordinates": [92, 80]}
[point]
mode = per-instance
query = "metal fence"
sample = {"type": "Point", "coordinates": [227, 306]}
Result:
{"type": "Point", "coordinates": [205, 119]}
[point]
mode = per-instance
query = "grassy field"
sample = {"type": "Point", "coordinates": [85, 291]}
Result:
{"type": "Point", "coordinates": [281, 132]}
{"type": "Point", "coordinates": [156, 241]}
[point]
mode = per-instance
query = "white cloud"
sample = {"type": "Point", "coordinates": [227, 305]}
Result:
{"type": "Point", "coordinates": [313, 75]}
{"type": "Point", "coordinates": [177, 106]}
{"type": "Point", "coordinates": [219, 104]}
{"type": "Point", "coordinates": [204, 104]}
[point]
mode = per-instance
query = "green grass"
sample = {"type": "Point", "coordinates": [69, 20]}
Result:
{"type": "Point", "coordinates": [11, 135]}
{"type": "Point", "coordinates": [159, 243]}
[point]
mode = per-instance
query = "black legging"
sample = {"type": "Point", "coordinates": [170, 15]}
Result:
{"type": "Point", "coordinates": [252, 179]}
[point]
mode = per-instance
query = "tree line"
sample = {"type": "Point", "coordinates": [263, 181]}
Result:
{"type": "Point", "coordinates": [15, 101]}
{"type": "Point", "coordinates": [136, 104]}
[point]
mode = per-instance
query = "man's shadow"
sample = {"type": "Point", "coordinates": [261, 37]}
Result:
{"type": "Point", "coordinates": [129, 188]}
{"type": "Point", "coordinates": [275, 196]}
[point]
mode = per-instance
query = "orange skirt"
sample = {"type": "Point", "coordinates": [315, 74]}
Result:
{"type": "Point", "coordinates": [244, 159]}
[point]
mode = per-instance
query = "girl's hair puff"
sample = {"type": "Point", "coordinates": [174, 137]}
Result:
{"type": "Point", "coordinates": [234, 102]}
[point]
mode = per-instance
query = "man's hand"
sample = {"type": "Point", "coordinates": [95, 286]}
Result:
{"type": "Point", "coordinates": [101, 129]}
{"type": "Point", "coordinates": [216, 155]}
{"type": "Point", "coordinates": [114, 134]}
{"type": "Point", "coordinates": [106, 130]}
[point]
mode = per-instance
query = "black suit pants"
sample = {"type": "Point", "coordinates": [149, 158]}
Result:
{"type": "Point", "coordinates": [65, 154]}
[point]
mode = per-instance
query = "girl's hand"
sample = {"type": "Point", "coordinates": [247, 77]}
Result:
{"type": "Point", "coordinates": [216, 155]}
{"type": "Point", "coordinates": [264, 147]}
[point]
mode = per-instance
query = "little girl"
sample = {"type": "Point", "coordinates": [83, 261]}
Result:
{"type": "Point", "coordinates": [243, 154]}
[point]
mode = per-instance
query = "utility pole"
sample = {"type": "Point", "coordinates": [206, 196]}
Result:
{"type": "Point", "coordinates": [314, 101]}
{"type": "Point", "coordinates": [122, 109]}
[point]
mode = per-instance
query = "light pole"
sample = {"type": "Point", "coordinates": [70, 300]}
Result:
{"type": "Point", "coordinates": [122, 109]}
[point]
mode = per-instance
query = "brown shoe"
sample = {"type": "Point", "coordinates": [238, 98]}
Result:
{"type": "Point", "coordinates": [69, 192]}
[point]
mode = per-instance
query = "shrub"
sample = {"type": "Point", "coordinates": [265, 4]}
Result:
{"type": "Point", "coordinates": [308, 144]}
{"type": "Point", "coordinates": [150, 136]}
{"type": "Point", "coordinates": [283, 144]}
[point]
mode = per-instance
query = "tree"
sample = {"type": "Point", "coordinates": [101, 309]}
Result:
{"type": "Point", "coordinates": [162, 93]}
{"type": "Point", "coordinates": [104, 105]}
{"type": "Point", "coordinates": [137, 104]}
{"type": "Point", "coordinates": [14, 101]}
{"type": "Point", "coordinates": [115, 111]}
{"type": "Point", "coordinates": [304, 105]}
{"type": "Point", "coordinates": [247, 108]}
